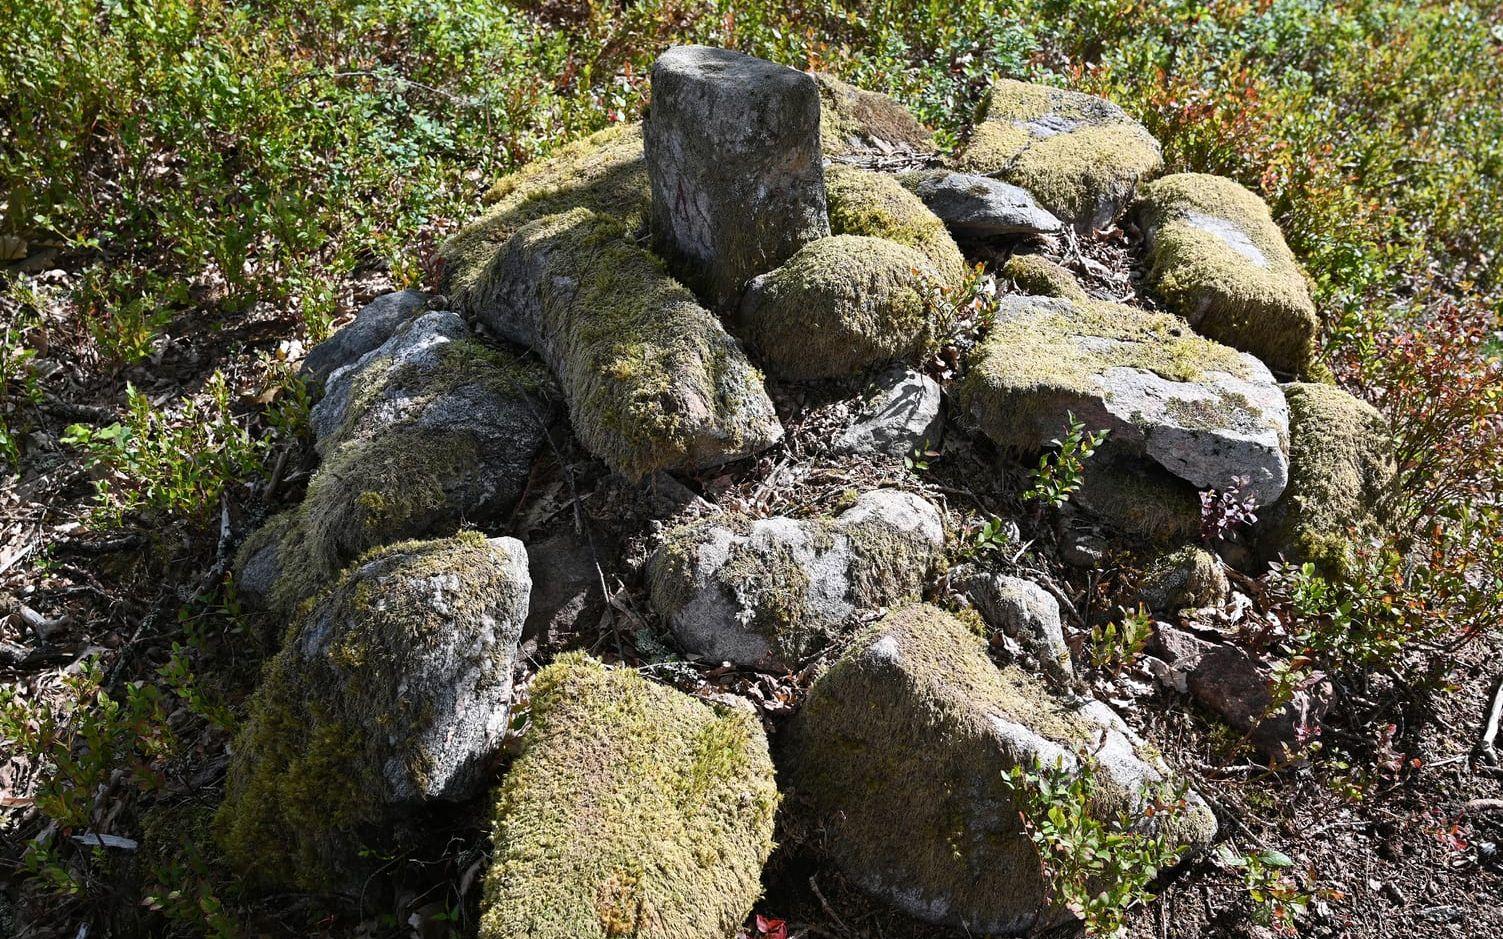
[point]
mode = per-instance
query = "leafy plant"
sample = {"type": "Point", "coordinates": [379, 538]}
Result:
{"type": "Point", "coordinates": [1276, 897]}
{"type": "Point", "coordinates": [1225, 512]}
{"type": "Point", "coordinates": [995, 534]}
{"type": "Point", "coordinates": [1115, 645]}
{"type": "Point", "coordinates": [1061, 472]}
{"type": "Point", "coordinates": [1097, 869]}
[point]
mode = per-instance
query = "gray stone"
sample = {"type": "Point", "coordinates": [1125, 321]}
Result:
{"type": "Point", "coordinates": [372, 326]}
{"type": "Point", "coordinates": [768, 593]}
{"type": "Point", "coordinates": [902, 751]}
{"type": "Point", "coordinates": [900, 411]}
{"type": "Point", "coordinates": [855, 122]}
{"type": "Point", "coordinates": [980, 205]}
{"type": "Point", "coordinates": [1025, 613]}
{"type": "Point", "coordinates": [733, 152]}
{"type": "Point", "coordinates": [1188, 578]}
{"type": "Point", "coordinates": [567, 595]}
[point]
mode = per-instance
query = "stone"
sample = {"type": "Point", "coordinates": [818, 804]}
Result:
{"type": "Point", "coordinates": [901, 752]}
{"type": "Point", "coordinates": [841, 305]}
{"type": "Point", "coordinates": [430, 431]}
{"type": "Point", "coordinates": [1239, 689]}
{"type": "Point", "coordinates": [391, 692]}
{"type": "Point", "coordinates": [372, 326]}
{"type": "Point", "coordinates": [567, 594]}
{"type": "Point", "coordinates": [975, 206]}
{"type": "Point", "coordinates": [733, 154]}
{"type": "Point", "coordinates": [605, 172]}
{"type": "Point", "coordinates": [1216, 258]}
{"type": "Point", "coordinates": [651, 379]}
{"type": "Point", "coordinates": [633, 810]}
{"type": "Point", "coordinates": [1206, 413]}
{"type": "Point", "coordinates": [768, 593]}
{"type": "Point", "coordinates": [1189, 578]}
{"type": "Point", "coordinates": [1343, 481]}
{"type": "Point", "coordinates": [854, 121]}
{"type": "Point", "coordinates": [1041, 277]}
{"type": "Point", "coordinates": [1080, 156]}
{"type": "Point", "coordinates": [1024, 612]}
{"type": "Point", "coordinates": [900, 411]}
{"type": "Point", "coordinates": [1140, 498]}
{"type": "Point", "coordinates": [863, 202]}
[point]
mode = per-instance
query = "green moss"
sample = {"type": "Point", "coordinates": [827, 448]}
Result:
{"type": "Point", "coordinates": [1079, 156]}
{"type": "Point", "coordinates": [307, 788]}
{"type": "Point", "coordinates": [839, 305]}
{"type": "Point", "coordinates": [862, 202]}
{"type": "Point", "coordinates": [1189, 577]}
{"type": "Point", "coordinates": [604, 172]}
{"type": "Point", "coordinates": [1040, 355]}
{"type": "Point", "coordinates": [1141, 500]}
{"type": "Point", "coordinates": [651, 378]}
{"type": "Point", "coordinates": [920, 675]}
{"type": "Point", "coordinates": [1341, 479]}
{"type": "Point", "coordinates": [635, 810]}
{"type": "Point", "coordinates": [1037, 275]}
{"type": "Point", "coordinates": [851, 119]}
{"type": "Point", "coordinates": [1204, 233]}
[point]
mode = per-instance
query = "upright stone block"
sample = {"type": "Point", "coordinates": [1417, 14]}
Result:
{"type": "Point", "coordinates": [733, 153]}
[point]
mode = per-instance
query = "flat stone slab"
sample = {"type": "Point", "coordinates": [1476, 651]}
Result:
{"type": "Point", "coordinates": [1206, 413]}
{"type": "Point", "coordinates": [978, 206]}
{"type": "Point", "coordinates": [899, 412]}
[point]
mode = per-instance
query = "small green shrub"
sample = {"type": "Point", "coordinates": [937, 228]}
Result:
{"type": "Point", "coordinates": [1061, 471]}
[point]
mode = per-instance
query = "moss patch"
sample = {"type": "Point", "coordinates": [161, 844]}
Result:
{"type": "Point", "coordinates": [1037, 275]}
{"type": "Point", "coordinates": [1341, 479]}
{"type": "Point", "coordinates": [1216, 258]}
{"type": "Point", "coordinates": [1080, 156]}
{"type": "Point", "coordinates": [307, 786]}
{"type": "Point", "coordinates": [851, 119]}
{"type": "Point", "coordinates": [635, 810]}
{"type": "Point", "coordinates": [604, 172]}
{"type": "Point", "coordinates": [1141, 499]}
{"type": "Point", "coordinates": [862, 202]}
{"type": "Point", "coordinates": [839, 305]}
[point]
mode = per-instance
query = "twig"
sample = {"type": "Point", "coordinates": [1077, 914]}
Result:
{"type": "Point", "coordinates": [1487, 751]}
{"type": "Point", "coordinates": [829, 911]}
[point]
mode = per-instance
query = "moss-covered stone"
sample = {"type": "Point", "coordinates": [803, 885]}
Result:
{"type": "Point", "coordinates": [862, 202]}
{"type": "Point", "coordinates": [915, 723]}
{"type": "Point", "coordinates": [634, 810]}
{"type": "Point", "coordinates": [1342, 478]}
{"type": "Point", "coordinates": [768, 593]}
{"type": "Point", "coordinates": [604, 172]}
{"type": "Point", "coordinates": [840, 305]}
{"type": "Point", "coordinates": [852, 120]}
{"type": "Point", "coordinates": [1037, 275]}
{"type": "Point", "coordinates": [1216, 258]}
{"type": "Point", "coordinates": [1189, 577]}
{"type": "Point", "coordinates": [1080, 156]}
{"type": "Point", "coordinates": [390, 690]}
{"type": "Point", "coordinates": [651, 379]}
{"type": "Point", "coordinates": [1140, 499]}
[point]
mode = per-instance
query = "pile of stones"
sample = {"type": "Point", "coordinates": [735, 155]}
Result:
{"type": "Point", "coordinates": [639, 291]}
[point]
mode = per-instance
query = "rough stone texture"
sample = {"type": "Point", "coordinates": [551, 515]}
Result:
{"type": "Point", "coordinates": [862, 202]}
{"type": "Point", "coordinates": [900, 411]}
{"type": "Point", "coordinates": [1080, 156]}
{"type": "Point", "coordinates": [1140, 498]}
{"type": "Point", "coordinates": [733, 152]}
{"type": "Point", "coordinates": [427, 432]}
{"type": "Point", "coordinates": [604, 172]}
{"type": "Point", "coordinates": [915, 724]}
{"type": "Point", "coordinates": [651, 378]}
{"type": "Point", "coordinates": [1190, 577]}
{"type": "Point", "coordinates": [979, 206]}
{"type": "Point", "coordinates": [1238, 688]}
{"type": "Point", "coordinates": [391, 691]}
{"type": "Point", "coordinates": [634, 810]}
{"type": "Point", "coordinates": [1204, 412]}
{"type": "Point", "coordinates": [1024, 612]}
{"type": "Point", "coordinates": [1342, 480]}
{"type": "Point", "coordinates": [566, 591]}
{"type": "Point", "coordinates": [372, 326]}
{"type": "Point", "coordinates": [768, 593]}
{"type": "Point", "coordinates": [1216, 258]}
{"type": "Point", "coordinates": [854, 121]}
{"type": "Point", "coordinates": [842, 304]}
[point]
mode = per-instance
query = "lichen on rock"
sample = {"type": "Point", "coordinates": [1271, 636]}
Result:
{"type": "Point", "coordinates": [767, 593]}
{"type": "Point", "coordinates": [634, 810]}
{"type": "Point", "coordinates": [1216, 258]}
{"type": "Point", "coordinates": [1079, 155]}
{"type": "Point", "coordinates": [914, 722]}
{"type": "Point", "coordinates": [1189, 577]}
{"type": "Point", "coordinates": [863, 202]}
{"type": "Point", "coordinates": [1204, 412]}
{"type": "Point", "coordinates": [840, 305]}
{"type": "Point", "coordinates": [390, 690]}
{"type": "Point", "coordinates": [651, 379]}
{"type": "Point", "coordinates": [1342, 478]}
{"type": "Point", "coordinates": [856, 121]}
{"type": "Point", "coordinates": [604, 172]}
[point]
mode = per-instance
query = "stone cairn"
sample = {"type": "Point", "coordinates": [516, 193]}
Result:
{"type": "Point", "coordinates": [638, 289]}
